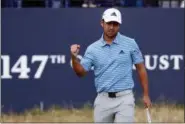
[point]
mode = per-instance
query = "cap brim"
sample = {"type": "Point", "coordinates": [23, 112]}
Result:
{"type": "Point", "coordinates": [112, 20]}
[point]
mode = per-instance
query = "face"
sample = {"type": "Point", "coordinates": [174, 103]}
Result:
{"type": "Point", "coordinates": [110, 28]}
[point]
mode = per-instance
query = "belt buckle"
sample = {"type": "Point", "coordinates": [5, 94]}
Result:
{"type": "Point", "coordinates": [112, 94]}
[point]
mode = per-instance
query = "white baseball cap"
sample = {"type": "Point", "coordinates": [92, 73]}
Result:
{"type": "Point", "coordinates": [112, 14]}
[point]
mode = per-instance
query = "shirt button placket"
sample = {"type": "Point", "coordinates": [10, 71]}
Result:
{"type": "Point", "coordinates": [110, 51]}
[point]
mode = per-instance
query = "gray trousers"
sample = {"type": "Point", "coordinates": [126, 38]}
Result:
{"type": "Point", "coordinates": [118, 109]}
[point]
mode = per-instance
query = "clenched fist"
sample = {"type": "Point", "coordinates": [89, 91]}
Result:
{"type": "Point", "coordinates": [75, 48]}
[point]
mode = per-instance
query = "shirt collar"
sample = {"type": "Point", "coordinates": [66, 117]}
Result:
{"type": "Point", "coordinates": [116, 40]}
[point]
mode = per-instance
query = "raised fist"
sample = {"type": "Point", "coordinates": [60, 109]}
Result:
{"type": "Point", "coordinates": [75, 48]}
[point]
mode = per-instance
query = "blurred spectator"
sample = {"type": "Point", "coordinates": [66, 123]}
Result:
{"type": "Point", "coordinates": [182, 4]}
{"type": "Point", "coordinates": [56, 3]}
{"type": "Point", "coordinates": [43, 3]}
{"type": "Point", "coordinates": [33, 3]}
{"type": "Point", "coordinates": [174, 4]}
{"type": "Point", "coordinates": [3, 3]}
{"type": "Point", "coordinates": [8, 3]}
{"type": "Point", "coordinates": [151, 3]}
{"type": "Point", "coordinates": [130, 3]}
{"type": "Point", "coordinates": [114, 3]}
{"type": "Point", "coordinates": [89, 3]}
{"type": "Point", "coordinates": [170, 3]}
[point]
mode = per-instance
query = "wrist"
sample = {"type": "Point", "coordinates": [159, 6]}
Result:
{"type": "Point", "coordinates": [73, 56]}
{"type": "Point", "coordinates": [145, 91]}
{"type": "Point", "coordinates": [146, 95]}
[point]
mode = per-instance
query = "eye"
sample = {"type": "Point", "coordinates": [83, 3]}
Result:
{"type": "Point", "coordinates": [115, 23]}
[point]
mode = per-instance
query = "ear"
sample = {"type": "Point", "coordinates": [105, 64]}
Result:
{"type": "Point", "coordinates": [102, 23]}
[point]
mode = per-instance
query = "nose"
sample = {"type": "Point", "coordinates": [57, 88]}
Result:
{"type": "Point", "coordinates": [111, 26]}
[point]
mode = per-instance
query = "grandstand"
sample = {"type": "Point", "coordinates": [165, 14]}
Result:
{"type": "Point", "coordinates": [90, 3]}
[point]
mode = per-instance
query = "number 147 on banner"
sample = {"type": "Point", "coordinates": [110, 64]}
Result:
{"type": "Point", "coordinates": [21, 65]}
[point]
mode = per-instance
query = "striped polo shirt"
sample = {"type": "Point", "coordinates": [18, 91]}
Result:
{"type": "Point", "coordinates": [112, 63]}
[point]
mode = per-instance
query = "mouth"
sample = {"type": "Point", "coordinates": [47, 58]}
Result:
{"type": "Point", "coordinates": [111, 32]}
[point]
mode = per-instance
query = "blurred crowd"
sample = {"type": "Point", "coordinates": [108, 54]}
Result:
{"type": "Point", "coordinates": [92, 3]}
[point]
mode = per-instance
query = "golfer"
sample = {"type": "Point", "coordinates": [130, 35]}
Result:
{"type": "Point", "coordinates": [112, 57]}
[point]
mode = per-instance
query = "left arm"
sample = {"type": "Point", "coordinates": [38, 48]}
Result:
{"type": "Point", "coordinates": [144, 83]}
{"type": "Point", "coordinates": [138, 61]}
{"type": "Point", "coordinates": [143, 78]}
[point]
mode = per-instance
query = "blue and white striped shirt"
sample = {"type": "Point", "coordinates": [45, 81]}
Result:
{"type": "Point", "coordinates": [112, 63]}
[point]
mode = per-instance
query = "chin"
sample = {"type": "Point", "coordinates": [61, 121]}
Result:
{"type": "Point", "coordinates": [112, 35]}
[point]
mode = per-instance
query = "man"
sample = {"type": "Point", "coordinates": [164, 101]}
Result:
{"type": "Point", "coordinates": [112, 57]}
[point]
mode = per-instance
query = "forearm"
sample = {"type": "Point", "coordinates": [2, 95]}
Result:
{"type": "Point", "coordinates": [143, 79]}
{"type": "Point", "coordinates": [77, 67]}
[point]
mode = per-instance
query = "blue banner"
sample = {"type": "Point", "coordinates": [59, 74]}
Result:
{"type": "Point", "coordinates": [35, 61]}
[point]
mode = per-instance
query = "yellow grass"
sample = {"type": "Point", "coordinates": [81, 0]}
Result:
{"type": "Point", "coordinates": [159, 113]}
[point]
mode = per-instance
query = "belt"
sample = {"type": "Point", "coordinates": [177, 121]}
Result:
{"type": "Point", "coordinates": [116, 94]}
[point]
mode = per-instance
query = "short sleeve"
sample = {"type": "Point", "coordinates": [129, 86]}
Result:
{"type": "Point", "coordinates": [136, 54]}
{"type": "Point", "coordinates": [87, 60]}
